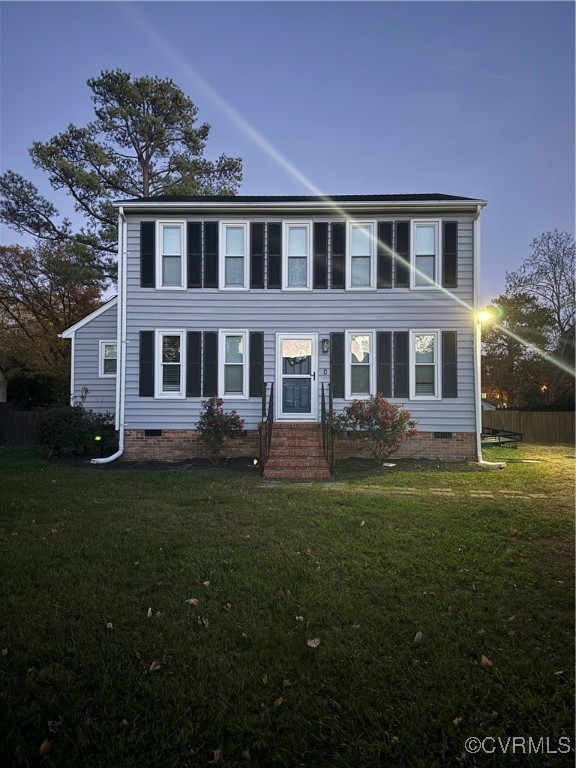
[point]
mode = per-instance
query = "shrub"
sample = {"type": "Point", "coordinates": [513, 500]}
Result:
{"type": "Point", "coordinates": [216, 425]}
{"type": "Point", "coordinates": [71, 430]}
{"type": "Point", "coordinates": [384, 425]}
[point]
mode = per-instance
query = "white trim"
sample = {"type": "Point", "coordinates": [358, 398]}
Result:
{"type": "Point", "coordinates": [286, 225]}
{"type": "Point", "coordinates": [437, 363]}
{"type": "Point", "coordinates": [101, 345]}
{"type": "Point", "coordinates": [158, 256]}
{"type": "Point", "coordinates": [350, 224]}
{"type": "Point", "coordinates": [221, 363]}
{"type": "Point", "coordinates": [158, 393]}
{"type": "Point", "coordinates": [72, 367]}
{"type": "Point", "coordinates": [414, 224]}
{"type": "Point", "coordinates": [477, 336]}
{"type": "Point", "coordinates": [348, 395]}
{"type": "Point", "coordinates": [297, 417]}
{"type": "Point", "coordinates": [69, 332]}
{"type": "Point", "coordinates": [223, 225]}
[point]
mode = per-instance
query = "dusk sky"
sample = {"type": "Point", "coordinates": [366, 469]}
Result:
{"type": "Point", "coordinates": [464, 98]}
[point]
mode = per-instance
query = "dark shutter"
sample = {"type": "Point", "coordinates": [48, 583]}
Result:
{"type": "Point", "coordinates": [256, 383]}
{"type": "Point", "coordinates": [402, 250]}
{"type": "Point", "coordinates": [193, 363]}
{"type": "Point", "coordinates": [384, 254]}
{"type": "Point", "coordinates": [274, 256]}
{"type": "Point", "coordinates": [146, 380]}
{"type": "Point", "coordinates": [449, 364]}
{"type": "Point", "coordinates": [257, 255]}
{"type": "Point", "coordinates": [338, 254]}
{"type": "Point", "coordinates": [210, 388]}
{"type": "Point", "coordinates": [194, 247]}
{"type": "Point", "coordinates": [450, 254]}
{"type": "Point", "coordinates": [320, 250]}
{"type": "Point", "coordinates": [337, 364]}
{"type": "Point", "coordinates": [147, 253]}
{"type": "Point", "coordinates": [210, 254]}
{"type": "Point", "coordinates": [384, 363]}
{"type": "Point", "coordinates": [401, 365]}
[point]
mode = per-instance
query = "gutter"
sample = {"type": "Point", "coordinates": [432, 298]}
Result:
{"type": "Point", "coordinates": [121, 336]}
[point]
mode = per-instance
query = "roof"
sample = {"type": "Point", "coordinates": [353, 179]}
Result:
{"type": "Point", "coordinates": [342, 204]}
{"type": "Point", "coordinates": [428, 197]}
{"type": "Point", "coordinates": [69, 332]}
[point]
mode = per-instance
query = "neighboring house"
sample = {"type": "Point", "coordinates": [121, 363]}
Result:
{"type": "Point", "coordinates": [94, 358]}
{"type": "Point", "coordinates": [228, 296]}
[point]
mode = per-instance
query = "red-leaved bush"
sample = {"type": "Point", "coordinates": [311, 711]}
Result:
{"type": "Point", "coordinates": [384, 425]}
{"type": "Point", "coordinates": [216, 425]}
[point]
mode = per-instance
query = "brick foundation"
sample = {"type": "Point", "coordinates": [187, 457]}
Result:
{"type": "Point", "coordinates": [460, 447]}
{"type": "Point", "coordinates": [182, 444]}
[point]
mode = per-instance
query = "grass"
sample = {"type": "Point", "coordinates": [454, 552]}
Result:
{"type": "Point", "coordinates": [97, 564]}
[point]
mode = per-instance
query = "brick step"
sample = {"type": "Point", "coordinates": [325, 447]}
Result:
{"type": "Point", "coordinates": [302, 450]}
{"type": "Point", "coordinates": [295, 461]}
{"type": "Point", "coordinates": [296, 474]}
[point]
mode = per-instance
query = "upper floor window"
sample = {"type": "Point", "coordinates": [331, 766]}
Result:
{"type": "Point", "coordinates": [108, 358]}
{"type": "Point", "coordinates": [233, 255]}
{"type": "Point", "coordinates": [170, 363]}
{"type": "Point", "coordinates": [361, 261]}
{"type": "Point", "coordinates": [360, 364]}
{"type": "Point", "coordinates": [297, 269]}
{"type": "Point", "coordinates": [425, 239]}
{"type": "Point", "coordinates": [233, 367]}
{"type": "Point", "coordinates": [424, 364]}
{"type": "Point", "coordinates": [170, 255]}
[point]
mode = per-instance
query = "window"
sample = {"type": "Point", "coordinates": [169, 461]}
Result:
{"type": "Point", "coordinates": [425, 254]}
{"type": "Point", "coordinates": [359, 367]}
{"type": "Point", "coordinates": [233, 255]}
{"type": "Point", "coordinates": [170, 259]}
{"type": "Point", "coordinates": [361, 262]}
{"type": "Point", "coordinates": [170, 350]}
{"type": "Point", "coordinates": [297, 262]}
{"type": "Point", "coordinates": [108, 358]}
{"type": "Point", "coordinates": [233, 363]}
{"type": "Point", "coordinates": [424, 364]}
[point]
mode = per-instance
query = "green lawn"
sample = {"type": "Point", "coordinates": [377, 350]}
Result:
{"type": "Point", "coordinates": [97, 566]}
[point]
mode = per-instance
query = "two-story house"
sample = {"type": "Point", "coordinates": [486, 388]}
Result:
{"type": "Point", "coordinates": [247, 296]}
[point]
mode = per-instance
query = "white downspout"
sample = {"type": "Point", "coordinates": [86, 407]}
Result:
{"type": "Point", "coordinates": [477, 337]}
{"type": "Point", "coordinates": [121, 336]}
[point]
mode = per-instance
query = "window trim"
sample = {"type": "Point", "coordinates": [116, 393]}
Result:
{"type": "Point", "coordinates": [158, 393]}
{"type": "Point", "coordinates": [222, 334]}
{"type": "Point", "coordinates": [222, 255]}
{"type": "Point", "coordinates": [348, 364]}
{"type": "Point", "coordinates": [437, 363]}
{"type": "Point", "coordinates": [350, 224]}
{"type": "Point", "coordinates": [160, 224]}
{"type": "Point", "coordinates": [286, 225]}
{"type": "Point", "coordinates": [437, 284]}
{"type": "Point", "coordinates": [101, 350]}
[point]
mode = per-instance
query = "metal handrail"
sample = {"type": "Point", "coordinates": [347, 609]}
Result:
{"type": "Point", "coordinates": [326, 416]}
{"type": "Point", "coordinates": [266, 426]}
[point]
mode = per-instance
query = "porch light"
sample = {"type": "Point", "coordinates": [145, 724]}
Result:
{"type": "Point", "coordinates": [325, 346]}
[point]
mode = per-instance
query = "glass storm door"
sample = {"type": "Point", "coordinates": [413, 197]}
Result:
{"type": "Point", "coordinates": [298, 395]}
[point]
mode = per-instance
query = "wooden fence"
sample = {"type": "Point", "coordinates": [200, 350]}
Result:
{"type": "Point", "coordinates": [18, 427]}
{"type": "Point", "coordinates": [536, 426]}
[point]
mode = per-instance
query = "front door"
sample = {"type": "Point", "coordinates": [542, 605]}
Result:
{"type": "Point", "coordinates": [298, 391]}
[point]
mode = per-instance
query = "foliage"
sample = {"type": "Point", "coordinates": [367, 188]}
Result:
{"type": "Point", "coordinates": [143, 142]}
{"type": "Point", "coordinates": [43, 290]}
{"type": "Point", "coordinates": [539, 307]}
{"type": "Point", "coordinates": [71, 430]}
{"type": "Point", "coordinates": [216, 425]}
{"type": "Point", "coordinates": [385, 425]}
{"type": "Point", "coordinates": [549, 273]}
{"type": "Point", "coordinates": [512, 371]}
